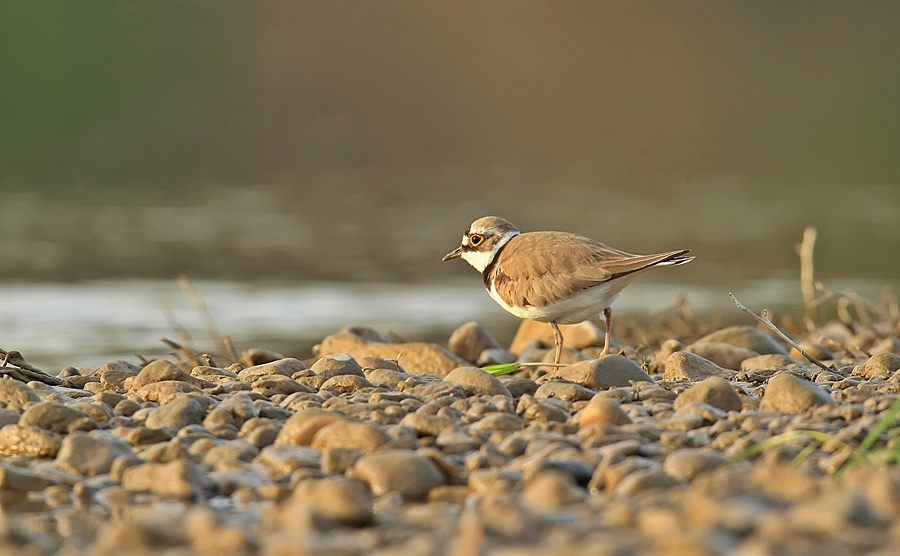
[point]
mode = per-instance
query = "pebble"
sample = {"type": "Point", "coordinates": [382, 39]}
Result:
{"type": "Point", "coordinates": [881, 366]}
{"type": "Point", "coordinates": [768, 361]}
{"type": "Point", "coordinates": [180, 479]}
{"type": "Point", "coordinates": [683, 365]}
{"type": "Point", "coordinates": [748, 337]}
{"type": "Point", "coordinates": [91, 454]}
{"type": "Point", "coordinates": [30, 442]}
{"type": "Point", "coordinates": [470, 340]}
{"type": "Point", "coordinates": [301, 428]}
{"type": "Point", "coordinates": [688, 463]}
{"type": "Point", "coordinates": [339, 364]}
{"type": "Point", "coordinates": [611, 371]}
{"type": "Point", "coordinates": [333, 501]}
{"type": "Point", "coordinates": [602, 410]}
{"type": "Point", "coordinates": [475, 381]}
{"type": "Point", "coordinates": [715, 391]}
{"type": "Point", "coordinates": [284, 367]}
{"type": "Point", "coordinates": [725, 355]}
{"type": "Point", "coordinates": [57, 418]}
{"type": "Point", "coordinates": [788, 394]}
{"type": "Point", "coordinates": [400, 471]}
{"type": "Point", "coordinates": [355, 435]}
{"type": "Point", "coordinates": [162, 370]}
{"type": "Point", "coordinates": [16, 396]}
{"type": "Point", "coordinates": [179, 413]}
{"type": "Point", "coordinates": [418, 357]}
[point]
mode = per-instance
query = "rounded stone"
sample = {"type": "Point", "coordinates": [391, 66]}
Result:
{"type": "Point", "coordinates": [16, 396]}
{"type": "Point", "coordinates": [715, 390]}
{"type": "Point", "coordinates": [345, 384]}
{"type": "Point", "coordinates": [725, 355]}
{"type": "Point", "coordinates": [335, 500]}
{"type": "Point", "coordinates": [29, 442]}
{"type": "Point", "coordinates": [470, 340]}
{"type": "Point", "coordinates": [683, 365]}
{"type": "Point", "coordinates": [355, 435]}
{"type": "Point", "coordinates": [301, 428]}
{"type": "Point", "coordinates": [881, 366]}
{"type": "Point", "coordinates": [687, 463]}
{"type": "Point", "coordinates": [401, 471]}
{"type": "Point", "coordinates": [549, 491]}
{"type": "Point", "coordinates": [477, 382]}
{"type": "Point", "coordinates": [789, 394]}
{"type": "Point", "coordinates": [336, 365]}
{"type": "Point", "coordinates": [179, 413]}
{"type": "Point", "coordinates": [748, 337]}
{"type": "Point", "coordinates": [602, 410]}
{"type": "Point", "coordinates": [768, 361]}
{"type": "Point", "coordinates": [52, 416]}
{"type": "Point", "coordinates": [91, 454]}
{"type": "Point", "coordinates": [611, 371]}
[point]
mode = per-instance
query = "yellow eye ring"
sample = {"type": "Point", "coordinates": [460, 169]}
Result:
{"type": "Point", "coordinates": [476, 239]}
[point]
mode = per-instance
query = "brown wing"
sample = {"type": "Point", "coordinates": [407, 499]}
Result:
{"type": "Point", "coordinates": [540, 268]}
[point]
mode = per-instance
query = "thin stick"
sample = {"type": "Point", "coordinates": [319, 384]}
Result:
{"type": "Point", "coordinates": [211, 329]}
{"type": "Point", "coordinates": [855, 298]}
{"type": "Point", "coordinates": [807, 285]}
{"type": "Point", "coordinates": [765, 321]}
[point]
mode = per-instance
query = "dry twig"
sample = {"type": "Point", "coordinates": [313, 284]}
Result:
{"type": "Point", "coordinates": [807, 285]}
{"type": "Point", "coordinates": [765, 321]}
{"type": "Point", "coordinates": [22, 370]}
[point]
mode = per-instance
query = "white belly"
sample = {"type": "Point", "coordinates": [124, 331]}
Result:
{"type": "Point", "coordinates": [579, 307]}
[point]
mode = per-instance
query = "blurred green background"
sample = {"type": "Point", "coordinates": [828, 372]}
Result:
{"type": "Point", "coordinates": [355, 141]}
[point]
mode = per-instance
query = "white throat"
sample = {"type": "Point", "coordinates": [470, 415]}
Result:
{"type": "Point", "coordinates": [481, 259]}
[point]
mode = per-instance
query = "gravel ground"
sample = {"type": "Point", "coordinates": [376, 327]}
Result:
{"type": "Point", "coordinates": [730, 443]}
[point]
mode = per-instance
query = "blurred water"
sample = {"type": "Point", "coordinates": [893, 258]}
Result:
{"type": "Point", "coordinates": [87, 324]}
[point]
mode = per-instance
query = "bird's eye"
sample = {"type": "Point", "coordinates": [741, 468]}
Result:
{"type": "Point", "coordinates": [476, 240]}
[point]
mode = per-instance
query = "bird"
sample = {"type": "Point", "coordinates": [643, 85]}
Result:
{"type": "Point", "coordinates": [553, 277]}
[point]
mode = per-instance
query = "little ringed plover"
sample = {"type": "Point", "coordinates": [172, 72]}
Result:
{"type": "Point", "coordinates": [553, 277]}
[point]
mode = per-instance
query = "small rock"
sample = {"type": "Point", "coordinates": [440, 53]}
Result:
{"type": "Point", "coordinates": [400, 471]}
{"type": "Point", "coordinates": [345, 384]}
{"type": "Point", "coordinates": [385, 378]}
{"type": "Point", "coordinates": [237, 449]}
{"type": "Point", "coordinates": [722, 354]}
{"type": "Point", "coordinates": [549, 491]}
{"type": "Point", "coordinates": [495, 357]}
{"type": "Point", "coordinates": [162, 370]}
{"type": "Point", "coordinates": [768, 361]}
{"type": "Point", "coordinates": [602, 410]}
{"type": "Point", "coordinates": [417, 357]}
{"type": "Point", "coordinates": [518, 386]}
{"type": "Point", "coordinates": [644, 479]}
{"type": "Point", "coordinates": [687, 463]}
{"type": "Point", "coordinates": [272, 385]}
{"type": "Point", "coordinates": [715, 390]}
{"type": "Point", "coordinates": [179, 413]}
{"type": "Point", "coordinates": [16, 396]}
{"type": "Point", "coordinates": [425, 424]}
{"type": "Point", "coordinates": [337, 365]}
{"type": "Point", "coordinates": [180, 479]}
{"type": "Point", "coordinates": [302, 427]}
{"type": "Point", "coordinates": [53, 416]}
{"type": "Point", "coordinates": [355, 435]}
{"type": "Point", "coordinates": [8, 417]}
{"type": "Point", "coordinates": [880, 366]}
{"type": "Point", "coordinates": [789, 394]}
{"type": "Point", "coordinates": [470, 340]}
{"type": "Point", "coordinates": [611, 371]}
{"type": "Point", "coordinates": [333, 501]}
{"type": "Point", "coordinates": [477, 382]}
{"type": "Point", "coordinates": [683, 365]}
{"type": "Point", "coordinates": [19, 479]}
{"type": "Point", "coordinates": [284, 367]}
{"type": "Point", "coordinates": [566, 391]}
{"type": "Point", "coordinates": [29, 442]}
{"type": "Point", "coordinates": [339, 460]}
{"type": "Point", "coordinates": [746, 337]}
{"type": "Point", "coordinates": [166, 391]}
{"type": "Point", "coordinates": [281, 461]}
{"type": "Point", "coordinates": [91, 454]}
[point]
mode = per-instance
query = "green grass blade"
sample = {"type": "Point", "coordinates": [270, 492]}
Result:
{"type": "Point", "coordinates": [863, 451]}
{"type": "Point", "coordinates": [500, 370]}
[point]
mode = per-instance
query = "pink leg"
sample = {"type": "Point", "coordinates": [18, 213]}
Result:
{"type": "Point", "coordinates": [607, 314]}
